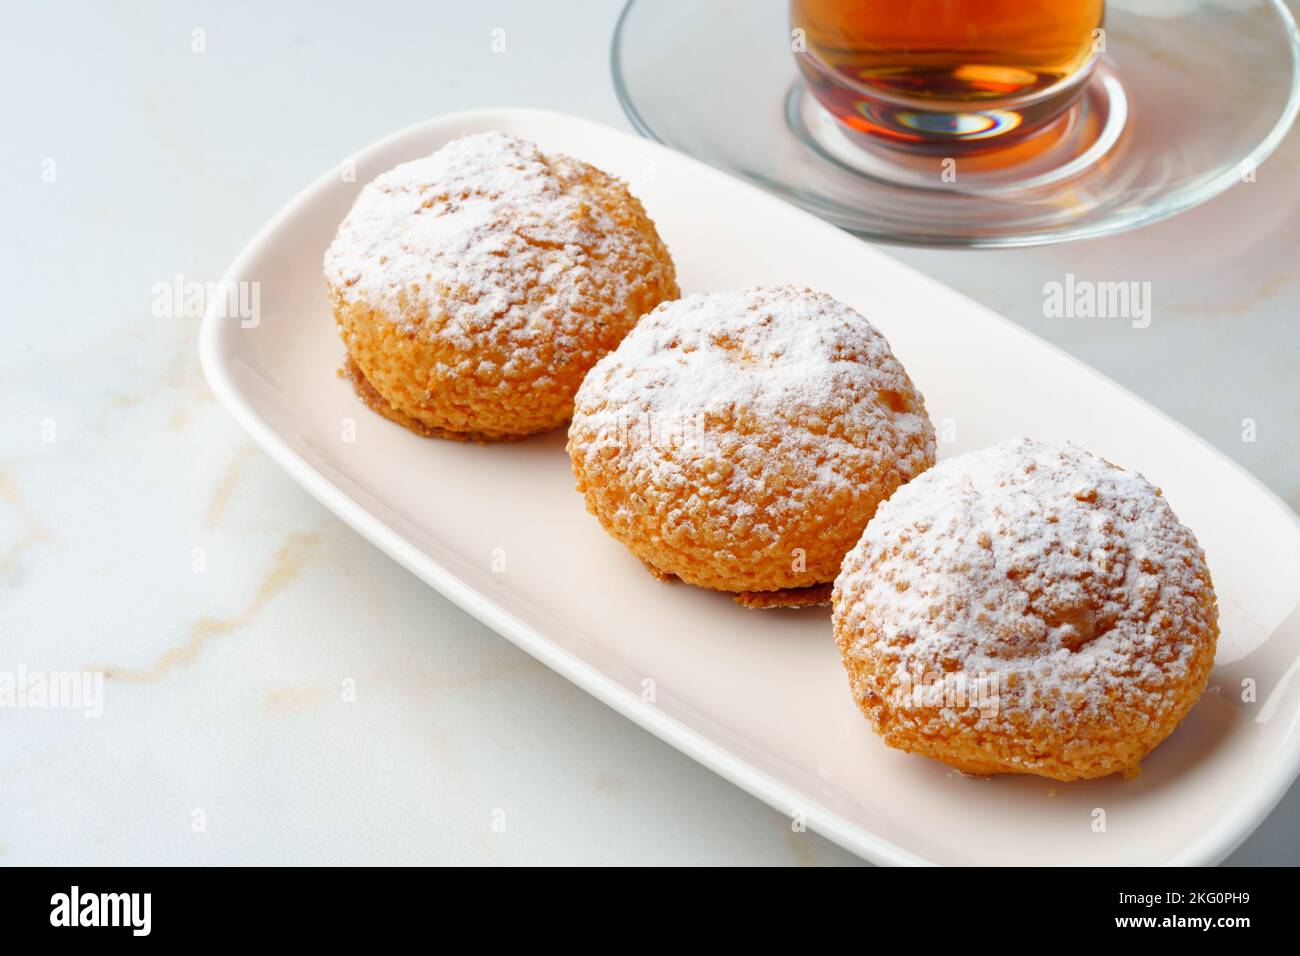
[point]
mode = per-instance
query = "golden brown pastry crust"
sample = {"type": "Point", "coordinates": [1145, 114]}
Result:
{"type": "Point", "coordinates": [742, 440]}
{"type": "Point", "coordinates": [475, 288]}
{"type": "Point", "coordinates": [1028, 608]}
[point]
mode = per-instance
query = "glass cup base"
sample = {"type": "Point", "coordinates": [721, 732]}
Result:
{"type": "Point", "coordinates": [936, 125]}
{"type": "Point", "coordinates": [1088, 130]}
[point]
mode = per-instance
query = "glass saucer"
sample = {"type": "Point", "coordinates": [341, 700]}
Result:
{"type": "Point", "coordinates": [1189, 97]}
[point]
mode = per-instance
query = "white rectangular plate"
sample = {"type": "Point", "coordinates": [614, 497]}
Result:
{"type": "Point", "coordinates": [760, 697]}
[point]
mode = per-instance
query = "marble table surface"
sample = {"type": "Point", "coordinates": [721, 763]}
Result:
{"type": "Point", "coordinates": [278, 690]}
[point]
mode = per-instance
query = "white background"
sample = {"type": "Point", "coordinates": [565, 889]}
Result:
{"type": "Point", "coordinates": [224, 736]}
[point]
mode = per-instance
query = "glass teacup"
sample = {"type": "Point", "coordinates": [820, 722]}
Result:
{"type": "Point", "coordinates": [946, 75]}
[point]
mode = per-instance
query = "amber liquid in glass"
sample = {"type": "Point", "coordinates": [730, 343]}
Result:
{"type": "Point", "coordinates": [953, 49]}
{"type": "Point", "coordinates": [976, 53]}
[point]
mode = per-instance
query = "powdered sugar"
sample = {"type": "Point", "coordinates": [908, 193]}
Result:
{"type": "Point", "coordinates": [777, 386]}
{"type": "Point", "coordinates": [483, 234]}
{"type": "Point", "coordinates": [1067, 579]}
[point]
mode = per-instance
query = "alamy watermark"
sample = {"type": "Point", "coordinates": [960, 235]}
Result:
{"type": "Point", "coordinates": [949, 690]}
{"type": "Point", "coordinates": [635, 430]}
{"type": "Point", "coordinates": [133, 911]}
{"type": "Point", "coordinates": [189, 298]}
{"type": "Point", "coordinates": [1084, 299]}
{"type": "Point", "coordinates": [53, 690]}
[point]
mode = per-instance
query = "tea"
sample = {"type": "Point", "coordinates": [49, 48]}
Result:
{"type": "Point", "coordinates": [943, 64]}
